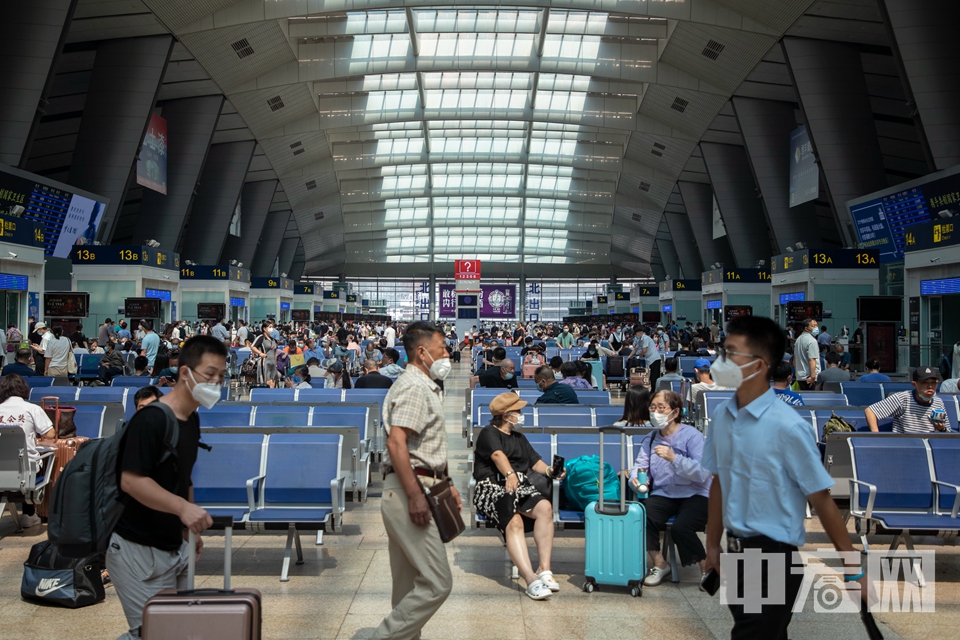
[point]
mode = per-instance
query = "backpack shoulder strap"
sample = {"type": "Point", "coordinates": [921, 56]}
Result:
{"type": "Point", "coordinates": [172, 434]}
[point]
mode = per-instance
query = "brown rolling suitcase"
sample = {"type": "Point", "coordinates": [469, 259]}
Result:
{"type": "Point", "coordinates": [66, 451]}
{"type": "Point", "coordinates": [204, 614]}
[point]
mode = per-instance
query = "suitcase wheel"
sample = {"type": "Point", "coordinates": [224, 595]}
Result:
{"type": "Point", "coordinates": [636, 591]}
{"type": "Point", "coordinates": [589, 586]}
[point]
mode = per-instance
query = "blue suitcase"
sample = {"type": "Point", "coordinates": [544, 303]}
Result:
{"type": "Point", "coordinates": [615, 535]}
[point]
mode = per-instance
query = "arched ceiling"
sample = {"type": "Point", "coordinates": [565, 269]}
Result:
{"type": "Point", "coordinates": [546, 133]}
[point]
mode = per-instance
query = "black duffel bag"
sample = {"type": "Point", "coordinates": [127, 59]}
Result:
{"type": "Point", "coordinates": [49, 578]}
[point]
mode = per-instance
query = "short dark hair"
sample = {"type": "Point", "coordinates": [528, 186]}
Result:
{"type": "Point", "coordinates": [782, 372]}
{"type": "Point", "coordinates": [568, 369]}
{"type": "Point", "coordinates": [57, 331]}
{"type": "Point", "coordinates": [149, 391]}
{"type": "Point", "coordinates": [140, 363]}
{"type": "Point", "coordinates": [147, 324]}
{"type": "Point", "coordinates": [672, 364]}
{"type": "Point", "coordinates": [418, 333]}
{"type": "Point", "coordinates": [833, 358]}
{"type": "Point", "coordinates": [764, 336]}
{"type": "Point", "coordinates": [544, 373]}
{"type": "Point", "coordinates": [24, 354]}
{"type": "Point", "coordinates": [807, 322]}
{"type": "Point", "coordinates": [872, 365]}
{"type": "Point", "coordinates": [393, 354]}
{"type": "Point", "coordinates": [193, 350]}
{"type": "Point", "coordinates": [12, 385]}
{"type": "Point", "coordinates": [499, 353]}
{"type": "Point", "coordinates": [556, 362]}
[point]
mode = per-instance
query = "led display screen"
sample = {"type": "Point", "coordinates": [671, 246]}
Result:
{"type": "Point", "coordinates": [211, 310]}
{"type": "Point", "coordinates": [141, 308]}
{"type": "Point", "coordinates": [67, 304]}
{"type": "Point", "coordinates": [798, 296]}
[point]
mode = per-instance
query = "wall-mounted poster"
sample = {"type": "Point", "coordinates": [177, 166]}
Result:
{"type": "Point", "coordinates": [448, 301]}
{"type": "Point", "coordinates": [498, 300]}
{"type": "Point", "coordinates": [152, 164]}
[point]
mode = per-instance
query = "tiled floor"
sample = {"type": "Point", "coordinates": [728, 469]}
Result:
{"type": "Point", "coordinates": [343, 589]}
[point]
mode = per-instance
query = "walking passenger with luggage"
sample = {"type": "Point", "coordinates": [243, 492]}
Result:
{"type": "Point", "coordinates": [766, 468]}
{"type": "Point", "coordinates": [148, 551]}
{"type": "Point", "coordinates": [676, 485]}
{"type": "Point", "coordinates": [416, 459]}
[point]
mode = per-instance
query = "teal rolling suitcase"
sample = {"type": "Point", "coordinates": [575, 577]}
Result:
{"type": "Point", "coordinates": [615, 535]}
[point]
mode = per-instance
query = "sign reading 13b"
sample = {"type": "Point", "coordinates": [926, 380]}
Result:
{"type": "Point", "coordinates": [467, 269]}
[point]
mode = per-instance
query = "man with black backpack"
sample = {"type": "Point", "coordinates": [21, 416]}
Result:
{"type": "Point", "coordinates": [148, 551]}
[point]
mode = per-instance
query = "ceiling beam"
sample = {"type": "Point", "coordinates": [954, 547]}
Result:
{"type": "Point", "coordinates": [412, 30]}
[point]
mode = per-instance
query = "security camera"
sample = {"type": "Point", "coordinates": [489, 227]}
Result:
{"type": "Point", "coordinates": [789, 249]}
{"type": "Point", "coordinates": [11, 254]}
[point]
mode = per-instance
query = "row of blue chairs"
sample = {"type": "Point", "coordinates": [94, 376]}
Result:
{"type": "Point", "coordinates": [906, 485]}
{"type": "Point", "coordinates": [476, 397]}
{"type": "Point", "coordinates": [554, 415]}
{"type": "Point", "coordinates": [279, 480]}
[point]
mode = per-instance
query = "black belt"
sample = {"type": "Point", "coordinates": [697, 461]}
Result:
{"type": "Point", "coordinates": [736, 544]}
{"type": "Point", "coordinates": [420, 471]}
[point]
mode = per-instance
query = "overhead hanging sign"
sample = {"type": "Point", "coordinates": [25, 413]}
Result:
{"type": "Point", "coordinates": [152, 163]}
{"type": "Point", "coordinates": [467, 269]}
{"type": "Point", "coordinates": [804, 173]}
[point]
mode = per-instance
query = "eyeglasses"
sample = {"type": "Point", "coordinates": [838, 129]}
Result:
{"type": "Point", "coordinates": [660, 407]}
{"type": "Point", "coordinates": [723, 353]}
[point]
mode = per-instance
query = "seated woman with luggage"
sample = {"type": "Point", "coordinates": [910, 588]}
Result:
{"type": "Point", "coordinates": [677, 485]}
{"type": "Point", "coordinates": [506, 496]}
{"type": "Point", "coordinates": [571, 376]}
{"type": "Point", "coordinates": [535, 356]}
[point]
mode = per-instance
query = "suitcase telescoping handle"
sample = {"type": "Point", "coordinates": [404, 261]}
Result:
{"type": "Point", "coordinates": [623, 465]}
{"type": "Point", "coordinates": [227, 523]}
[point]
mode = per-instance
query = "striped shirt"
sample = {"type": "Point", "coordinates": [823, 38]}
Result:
{"type": "Point", "coordinates": [415, 402]}
{"type": "Point", "coordinates": [909, 416]}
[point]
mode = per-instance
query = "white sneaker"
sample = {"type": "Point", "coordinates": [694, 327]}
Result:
{"type": "Point", "coordinates": [538, 591]}
{"type": "Point", "coordinates": [29, 521]}
{"type": "Point", "coordinates": [656, 576]}
{"type": "Point", "coordinates": [546, 577]}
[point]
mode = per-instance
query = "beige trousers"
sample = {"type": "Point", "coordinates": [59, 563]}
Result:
{"type": "Point", "coordinates": [418, 564]}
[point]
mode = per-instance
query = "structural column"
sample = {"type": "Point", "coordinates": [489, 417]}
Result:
{"type": "Point", "coordinates": [698, 202]}
{"type": "Point", "coordinates": [216, 201]}
{"type": "Point", "coordinates": [191, 123]}
{"type": "Point", "coordinates": [123, 89]}
{"type": "Point", "coordinates": [925, 34]}
{"type": "Point", "coordinates": [766, 126]}
{"type": "Point", "coordinates": [32, 34]}
{"type": "Point", "coordinates": [682, 234]}
{"type": "Point", "coordinates": [255, 202]}
{"type": "Point", "coordinates": [434, 316]}
{"type": "Point", "coordinates": [833, 95]}
{"type": "Point", "coordinates": [288, 249]}
{"type": "Point", "coordinates": [269, 247]}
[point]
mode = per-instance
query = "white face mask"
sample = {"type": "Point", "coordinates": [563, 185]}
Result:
{"type": "Point", "coordinates": [729, 374]}
{"type": "Point", "coordinates": [206, 393]}
{"type": "Point", "coordinates": [660, 420]}
{"type": "Point", "coordinates": [520, 419]}
{"type": "Point", "coordinates": [439, 369]}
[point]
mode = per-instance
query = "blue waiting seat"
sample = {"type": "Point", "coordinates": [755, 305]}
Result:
{"type": "Point", "coordinates": [588, 396]}
{"type": "Point", "coordinates": [855, 417]}
{"type": "Point", "coordinates": [266, 415]}
{"type": "Point", "coordinates": [574, 445]}
{"type": "Point", "coordinates": [226, 479]}
{"type": "Point", "coordinates": [946, 469]}
{"type": "Point", "coordinates": [527, 383]}
{"type": "Point", "coordinates": [862, 394]}
{"type": "Point", "coordinates": [320, 395]}
{"type": "Point", "coordinates": [64, 394]}
{"type": "Point", "coordinates": [331, 415]}
{"type": "Point", "coordinates": [131, 381]}
{"type": "Point", "coordinates": [39, 381]}
{"type": "Point", "coordinates": [528, 396]}
{"type": "Point", "coordinates": [608, 414]}
{"type": "Point", "coordinates": [88, 365]}
{"type": "Point", "coordinates": [105, 394]}
{"type": "Point", "coordinates": [302, 487]}
{"type": "Point", "coordinates": [893, 485]}
{"type": "Point", "coordinates": [952, 405]}
{"type": "Point", "coordinates": [226, 415]}
{"type": "Point", "coordinates": [371, 396]}
{"type": "Point", "coordinates": [707, 404]}
{"type": "Point", "coordinates": [824, 399]}
{"type": "Point", "coordinates": [273, 395]}
{"type": "Point", "coordinates": [568, 415]}
{"type": "Point", "coordinates": [89, 421]}
{"type": "Point", "coordinates": [895, 387]}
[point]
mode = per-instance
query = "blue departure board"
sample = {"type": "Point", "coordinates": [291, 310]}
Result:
{"type": "Point", "coordinates": [798, 296]}
{"type": "Point", "coordinates": [9, 282]}
{"type": "Point", "coordinates": [939, 287]}
{"type": "Point", "coordinates": [238, 302]}
{"type": "Point", "coordinates": [714, 304]}
{"type": "Point", "coordinates": [159, 294]}
{"type": "Point", "coordinates": [668, 308]}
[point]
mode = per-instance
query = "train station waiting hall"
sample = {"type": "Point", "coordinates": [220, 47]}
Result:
{"type": "Point", "coordinates": [405, 320]}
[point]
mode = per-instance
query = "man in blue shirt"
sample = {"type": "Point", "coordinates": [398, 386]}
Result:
{"type": "Point", "coordinates": [151, 343]}
{"type": "Point", "coordinates": [123, 333]}
{"type": "Point", "coordinates": [782, 377]}
{"type": "Point", "coordinates": [21, 366]}
{"type": "Point", "coordinates": [873, 372]}
{"type": "Point", "coordinates": [766, 468]}
{"type": "Point", "coordinates": [553, 391]}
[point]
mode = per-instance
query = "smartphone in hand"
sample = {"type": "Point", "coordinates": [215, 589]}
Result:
{"type": "Point", "coordinates": [710, 582]}
{"type": "Point", "coordinates": [557, 468]}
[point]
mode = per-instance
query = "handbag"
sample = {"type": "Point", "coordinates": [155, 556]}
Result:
{"type": "Point", "coordinates": [72, 364]}
{"type": "Point", "coordinates": [61, 417]}
{"type": "Point", "coordinates": [49, 578]}
{"type": "Point", "coordinates": [444, 509]}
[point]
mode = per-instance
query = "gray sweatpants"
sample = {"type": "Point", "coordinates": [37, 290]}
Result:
{"type": "Point", "coordinates": [138, 573]}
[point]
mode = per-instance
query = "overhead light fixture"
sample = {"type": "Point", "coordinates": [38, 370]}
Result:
{"type": "Point", "coordinates": [283, 275]}
{"type": "Point", "coordinates": [233, 263]}
{"type": "Point", "coordinates": [789, 249]}
{"type": "Point", "coordinates": [800, 245]}
{"type": "Point", "coordinates": [761, 263]}
{"type": "Point", "coordinates": [946, 213]}
{"type": "Point", "coordinates": [239, 265]}
{"type": "Point", "coordinates": [153, 244]}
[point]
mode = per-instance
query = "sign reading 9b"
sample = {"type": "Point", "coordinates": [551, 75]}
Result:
{"type": "Point", "coordinates": [467, 269]}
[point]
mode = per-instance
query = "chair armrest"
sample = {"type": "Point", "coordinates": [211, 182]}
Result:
{"type": "Point", "coordinates": [338, 494]}
{"type": "Point", "coordinates": [556, 502]}
{"type": "Point", "coordinates": [251, 500]}
{"type": "Point", "coordinates": [956, 498]}
{"type": "Point", "coordinates": [870, 499]}
{"type": "Point", "coordinates": [49, 454]}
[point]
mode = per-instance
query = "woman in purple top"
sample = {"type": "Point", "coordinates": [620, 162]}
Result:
{"type": "Point", "coordinates": [572, 378]}
{"type": "Point", "coordinates": [678, 485]}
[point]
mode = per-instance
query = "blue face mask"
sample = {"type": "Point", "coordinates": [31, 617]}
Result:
{"type": "Point", "coordinates": [815, 331]}
{"type": "Point", "coordinates": [508, 376]}
{"type": "Point", "coordinates": [297, 379]}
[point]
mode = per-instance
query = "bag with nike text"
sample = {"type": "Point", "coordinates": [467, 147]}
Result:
{"type": "Point", "coordinates": [49, 578]}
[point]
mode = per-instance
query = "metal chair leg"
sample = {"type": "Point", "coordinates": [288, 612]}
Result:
{"type": "Point", "coordinates": [284, 573]}
{"type": "Point", "coordinates": [671, 550]}
{"type": "Point", "coordinates": [917, 564]}
{"type": "Point", "coordinates": [12, 508]}
{"type": "Point", "coordinates": [296, 538]}
{"type": "Point", "coordinates": [320, 537]}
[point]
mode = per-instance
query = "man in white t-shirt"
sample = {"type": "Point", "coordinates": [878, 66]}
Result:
{"type": "Point", "coordinates": [391, 335]}
{"type": "Point", "coordinates": [57, 353]}
{"type": "Point", "coordinates": [701, 369]}
{"type": "Point", "coordinates": [15, 410]}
